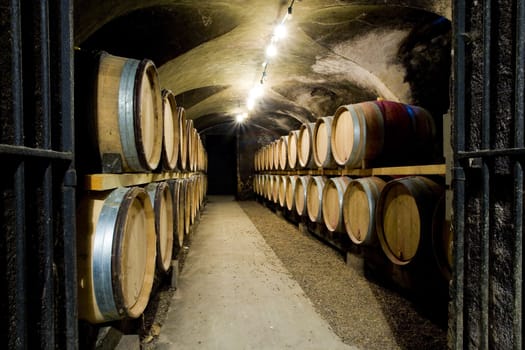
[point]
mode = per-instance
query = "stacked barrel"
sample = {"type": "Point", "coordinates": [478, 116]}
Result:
{"type": "Point", "coordinates": [319, 180]}
{"type": "Point", "coordinates": [129, 234]}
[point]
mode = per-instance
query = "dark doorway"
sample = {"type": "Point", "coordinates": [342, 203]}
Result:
{"type": "Point", "coordinates": [222, 164]}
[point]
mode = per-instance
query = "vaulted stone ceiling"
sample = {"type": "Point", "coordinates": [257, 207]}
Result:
{"type": "Point", "coordinates": [210, 53]}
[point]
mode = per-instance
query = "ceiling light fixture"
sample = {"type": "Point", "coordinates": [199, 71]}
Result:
{"type": "Point", "coordinates": [279, 33]}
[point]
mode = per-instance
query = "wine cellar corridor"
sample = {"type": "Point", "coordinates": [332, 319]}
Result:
{"type": "Point", "coordinates": [263, 174]}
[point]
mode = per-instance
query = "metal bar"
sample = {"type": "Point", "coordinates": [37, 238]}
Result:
{"type": "Point", "coordinates": [518, 256]}
{"type": "Point", "coordinates": [23, 151]}
{"type": "Point", "coordinates": [485, 206]}
{"type": "Point", "coordinates": [47, 307]}
{"type": "Point", "coordinates": [45, 71]}
{"type": "Point", "coordinates": [47, 325]}
{"type": "Point", "coordinates": [66, 65]}
{"type": "Point", "coordinates": [19, 338]}
{"type": "Point", "coordinates": [493, 153]}
{"type": "Point", "coordinates": [518, 175]}
{"type": "Point", "coordinates": [458, 182]}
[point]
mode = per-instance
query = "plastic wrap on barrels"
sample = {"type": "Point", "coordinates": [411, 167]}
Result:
{"type": "Point", "coordinates": [161, 198]}
{"type": "Point", "coordinates": [290, 192]}
{"type": "Point", "coordinates": [359, 208]}
{"type": "Point", "coordinates": [116, 249]}
{"type": "Point", "coordinates": [382, 133]}
{"type": "Point", "coordinates": [322, 148]}
{"type": "Point", "coordinates": [170, 138]}
{"type": "Point", "coordinates": [301, 187]}
{"type": "Point", "coordinates": [332, 204]}
{"type": "Point", "coordinates": [128, 114]}
{"type": "Point", "coordinates": [293, 137]}
{"type": "Point", "coordinates": [305, 146]}
{"type": "Point", "coordinates": [404, 219]}
{"type": "Point", "coordinates": [314, 198]}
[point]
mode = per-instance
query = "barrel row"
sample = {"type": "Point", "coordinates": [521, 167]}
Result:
{"type": "Point", "coordinates": [373, 132]}
{"type": "Point", "coordinates": [405, 216]}
{"type": "Point", "coordinates": [126, 237]}
{"type": "Point", "coordinates": [139, 123]}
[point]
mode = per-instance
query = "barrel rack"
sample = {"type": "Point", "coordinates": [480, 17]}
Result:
{"type": "Point", "coordinates": [103, 182]}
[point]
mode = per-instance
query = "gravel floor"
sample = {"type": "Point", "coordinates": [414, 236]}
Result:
{"type": "Point", "coordinates": [362, 313]}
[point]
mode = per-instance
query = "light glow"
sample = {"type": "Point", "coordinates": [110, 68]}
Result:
{"type": "Point", "coordinates": [271, 50]}
{"type": "Point", "coordinates": [280, 32]}
{"type": "Point", "coordinates": [250, 103]}
{"type": "Point", "coordinates": [241, 117]}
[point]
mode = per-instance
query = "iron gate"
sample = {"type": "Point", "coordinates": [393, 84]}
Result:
{"type": "Point", "coordinates": [489, 152]}
{"type": "Point", "coordinates": [37, 246]}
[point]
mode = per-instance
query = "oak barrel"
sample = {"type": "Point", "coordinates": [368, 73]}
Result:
{"type": "Point", "coordinates": [322, 149]}
{"type": "Point", "coordinates": [129, 112]}
{"type": "Point", "coordinates": [301, 186]}
{"type": "Point", "coordinates": [359, 207]}
{"type": "Point", "coordinates": [305, 146]}
{"type": "Point", "coordinates": [283, 152]}
{"type": "Point", "coordinates": [170, 138]}
{"type": "Point", "coordinates": [290, 192]}
{"type": "Point", "coordinates": [332, 204]}
{"type": "Point", "coordinates": [116, 248]}
{"type": "Point", "coordinates": [282, 190]}
{"type": "Point", "coordinates": [183, 142]}
{"type": "Point", "coordinates": [386, 132]}
{"type": "Point", "coordinates": [404, 218]}
{"type": "Point", "coordinates": [293, 137]}
{"type": "Point", "coordinates": [162, 201]}
{"type": "Point", "coordinates": [314, 198]}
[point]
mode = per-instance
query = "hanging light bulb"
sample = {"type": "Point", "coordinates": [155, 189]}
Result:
{"type": "Point", "coordinates": [257, 91]}
{"type": "Point", "coordinates": [271, 50]}
{"type": "Point", "coordinates": [280, 32]}
{"type": "Point", "coordinates": [241, 117]}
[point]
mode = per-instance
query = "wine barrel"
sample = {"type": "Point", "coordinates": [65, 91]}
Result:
{"type": "Point", "coordinates": [290, 192]}
{"type": "Point", "coordinates": [276, 152]}
{"type": "Point", "coordinates": [183, 142]}
{"type": "Point", "coordinates": [322, 149]}
{"type": "Point", "coordinates": [283, 152]}
{"type": "Point", "coordinates": [282, 191]}
{"type": "Point", "coordinates": [128, 112]}
{"type": "Point", "coordinates": [256, 160]}
{"type": "Point", "coordinates": [162, 201]}
{"type": "Point", "coordinates": [404, 218]}
{"type": "Point", "coordinates": [170, 138]}
{"type": "Point", "coordinates": [357, 134]}
{"type": "Point", "coordinates": [293, 137]}
{"type": "Point", "coordinates": [314, 198]}
{"type": "Point", "coordinates": [264, 158]}
{"type": "Point", "coordinates": [116, 249]}
{"type": "Point", "coordinates": [275, 188]}
{"type": "Point", "coordinates": [359, 207]}
{"type": "Point", "coordinates": [332, 204]}
{"type": "Point", "coordinates": [301, 186]}
{"type": "Point", "coordinates": [178, 213]}
{"type": "Point", "coordinates": [442, 240]}
{"type": "Point", "coordinates": [188, 140]}
{"type": "Point", "coordinates": [305, 146]}
{"type": "Point", "coordinates": [387, 132]}
{"type": "Point", "coordinates": [268, 185]}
